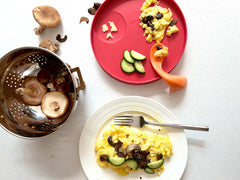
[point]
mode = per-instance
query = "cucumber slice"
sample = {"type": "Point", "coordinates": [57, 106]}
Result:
{"type": "Point", "coordinates": [127, 67]}
{"type": "Point", "coordinates": [116, 161]}
{"type": "Point", "coordinates": [155, 164]}
{"type": "Point", "coordinates": [132, 163]}
{"type": "Point", "coordinates": [137, 56]}
{"type": "Point", "coordinates": [149, 171]}
{"type": "Point", "coordinates": [127, 57]}
{"type": "Point", "coordinates": [139, 66]}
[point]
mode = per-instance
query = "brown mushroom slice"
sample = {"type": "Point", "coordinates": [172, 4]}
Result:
{"type": "Point", "coordinates": [84, 19]}
{"type": "Point", "coordinates": [32, 91]}
{"type": "Point", "coordinates": [131, 148]}
{"type": "Point", "coordinates": [47, 17]}
{"type": "Point", "coordinates": [47, 44]}
{"type": "Point", "coordinates": [54, 104]}
{"type": "Point", "coordinates": [61, 39]}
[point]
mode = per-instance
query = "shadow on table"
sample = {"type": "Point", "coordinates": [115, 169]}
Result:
{"type": "Point", "coordinates": [158, 87]}
{"type": "Point", "coordinates": [196, 143]}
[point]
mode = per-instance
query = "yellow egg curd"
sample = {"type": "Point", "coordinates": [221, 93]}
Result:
{"type": "Point", "coordinates": [155, 20]}
{"type": "Point", "coordinates": [154, 142]}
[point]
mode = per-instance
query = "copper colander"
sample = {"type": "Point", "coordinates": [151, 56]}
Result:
{"type": "Point", "coordinates": [20, 64]}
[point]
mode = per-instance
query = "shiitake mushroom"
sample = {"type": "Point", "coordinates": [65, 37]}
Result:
{"type": "Point", "coordinates": [32, 91]}
{"type": "Point", "coordinates": [47, 17]}
{"type": "Point", "coordinates": [54, 104]}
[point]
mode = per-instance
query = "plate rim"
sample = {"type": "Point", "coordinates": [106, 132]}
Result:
{"type": "Point", "coordinates": [122, 99]}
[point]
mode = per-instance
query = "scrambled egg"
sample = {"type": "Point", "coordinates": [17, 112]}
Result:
{"type": "Point", "coordinates": [162, 52]}
{"type": "Point", "coordinates": [155, 19]}
{"type": "Point", "coordinates": [171, 30]}
{"type": "Point", "coordinates": [154, 142]}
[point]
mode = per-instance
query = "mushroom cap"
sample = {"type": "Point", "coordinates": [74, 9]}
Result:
{"type": "Point", "coordinates": [46, 16]}
{"type": "Point", "coordinates": [54, 104]}
{"type": "Point", "coordinates": [33, 91]}
{"type": "Point", "coordinates": [131, 148]}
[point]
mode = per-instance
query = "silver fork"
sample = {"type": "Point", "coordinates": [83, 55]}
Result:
{"type": "Point", "coordinates": [139, 121]}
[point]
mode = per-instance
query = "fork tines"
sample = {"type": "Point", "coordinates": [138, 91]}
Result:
{"type": "Point", "coordinates": [124, 120]}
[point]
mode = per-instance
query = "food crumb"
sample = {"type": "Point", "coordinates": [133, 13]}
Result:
{"type": "Point", "coordinates": [113, 27]}
{"type": "Point", "coordinates": [171, 30]}
{"type": "Point", "coordinates": [84, 19]}
{"type": "Point", "coordinates": [109, 35]}
{"type": "Point", "coordinates": [104, 28]}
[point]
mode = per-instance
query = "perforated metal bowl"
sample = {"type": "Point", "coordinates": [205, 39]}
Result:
{"type": "Point", "coordinates": [16, 67]}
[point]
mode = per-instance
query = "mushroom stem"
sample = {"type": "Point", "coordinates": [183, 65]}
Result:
{"type": "Point", "coordinates": [54, 105]}
{"type": "Point", "coordinates": [39, 30]}
{"type": "Point", "coordinates": [22, 91]}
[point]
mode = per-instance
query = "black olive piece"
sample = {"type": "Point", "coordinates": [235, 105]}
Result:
{"type": "Point", "coordinates": [159, 156]}
{"type": "Point", "coordinates": [149, 23]}
{"type": "Point", "coordinates": [104, 157]}
{"type": "Point", "coordinates": [152, 27]}
{"type": "Point", "coordinates": [159, 16]}
{"type": "Point", "coordinates": [159, 47]}
{"type": "Point", "coordinates": [173, 22]}
{"type": "Point", "coordinates": [144, 20]}
{"type": "Point", "coordinates": [150, 18]}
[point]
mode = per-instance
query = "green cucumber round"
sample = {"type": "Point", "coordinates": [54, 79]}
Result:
{"type": "Point", "coordinates": [127, 57]}
{"type": "Point", "coordinates": [139, 66]}
{"type": "Point", "coordinates": [155, 164]}
{"type": "Point", "coordinates": [149, 171]}
{"type": "Point", "coordinates": [116, 161]}
{"type": "Point", "coordinates": [127, 67]}
{"type": "Point", "coordinates": [137, 56]}
{"type": "Point", "coordinates": [132, 163]}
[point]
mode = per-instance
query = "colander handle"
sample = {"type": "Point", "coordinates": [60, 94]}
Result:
{"type": "Point", "coordinates": [82, 83]}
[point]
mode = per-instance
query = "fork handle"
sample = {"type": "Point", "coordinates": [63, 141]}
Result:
{"type": "Point", "coordinates": [181, 126]}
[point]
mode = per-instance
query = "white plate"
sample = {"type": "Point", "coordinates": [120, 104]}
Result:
{"type": "Point", "coordinates": [101, 120]}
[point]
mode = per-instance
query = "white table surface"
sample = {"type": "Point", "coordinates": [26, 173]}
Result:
{"type": "Point", "coordinates": [210, 61]}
